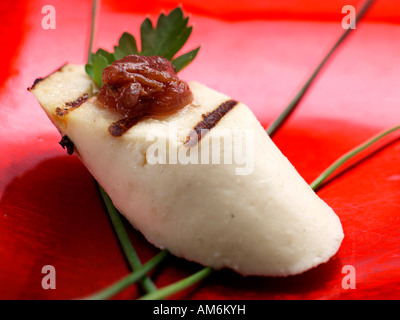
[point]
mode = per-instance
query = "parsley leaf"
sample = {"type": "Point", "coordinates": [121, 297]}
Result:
{"type": "Point", "coordinates": [166, 39]}
{"type": "Point", "coordinates": [126, 46]}
{"type": "Point", "coordinates": [183, 60]}
{"type": "Point", "coordinates": [98, 61]}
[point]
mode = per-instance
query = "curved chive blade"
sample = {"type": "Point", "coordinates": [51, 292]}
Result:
{"type": "Point", "coordinates": [178, 286]}
{"type": "Point", "coordinates": [130, 279]}
{"type": "Point", "coordinates": [339, 162]}
{"type": "Point", "coordinates": [273, 128]}
{"type": "Point", "coordinates": [124, 240]}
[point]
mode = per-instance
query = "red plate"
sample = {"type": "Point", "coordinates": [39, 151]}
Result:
{"type": "Point", "coordinates": [261, 53]}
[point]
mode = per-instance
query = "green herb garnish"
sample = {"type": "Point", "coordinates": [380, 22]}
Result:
{"type": "Point", "coordinates": [166, 39]}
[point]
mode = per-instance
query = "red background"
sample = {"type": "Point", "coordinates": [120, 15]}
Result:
{"type": "Point", "coordinates": [259, 52]}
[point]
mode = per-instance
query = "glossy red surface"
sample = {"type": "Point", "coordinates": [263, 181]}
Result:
{"type": "Point", "coordinates": [261, 53]}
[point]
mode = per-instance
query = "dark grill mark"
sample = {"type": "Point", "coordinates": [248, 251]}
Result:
{"type": "Point", "coordinates": [119, 127]}
{"type": "Point", "coordinates": [41, 79]}
{"type": "Point", "coordinates": [35, 83]}
{"type": "Point", "coordinates": [71, 105]}
{"type": "Point", "coordinates": [68, 144]}
{"type": "Point", "coordinates": [209, 121]}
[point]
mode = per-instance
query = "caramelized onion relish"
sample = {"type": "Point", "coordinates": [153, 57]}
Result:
{"type": "Point", "coordinates": [140, 86]}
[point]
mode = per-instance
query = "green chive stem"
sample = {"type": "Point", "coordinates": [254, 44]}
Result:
{"type": "Point", "coordinates": [347, 156]}
{"type": "Point", "coordinates": [178, 286]}
{"type": "Point", "coordinates": [130, 279]}
{"type": "Point", "coordinates": [92, 29]}
{"type": "Point", "coordinates": [273, 128]}
{"type": "Point", "coordinates": [126, 244]}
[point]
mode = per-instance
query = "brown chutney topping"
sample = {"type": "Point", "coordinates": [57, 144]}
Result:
{"type": "Point", "coordinates": [139, 86]}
